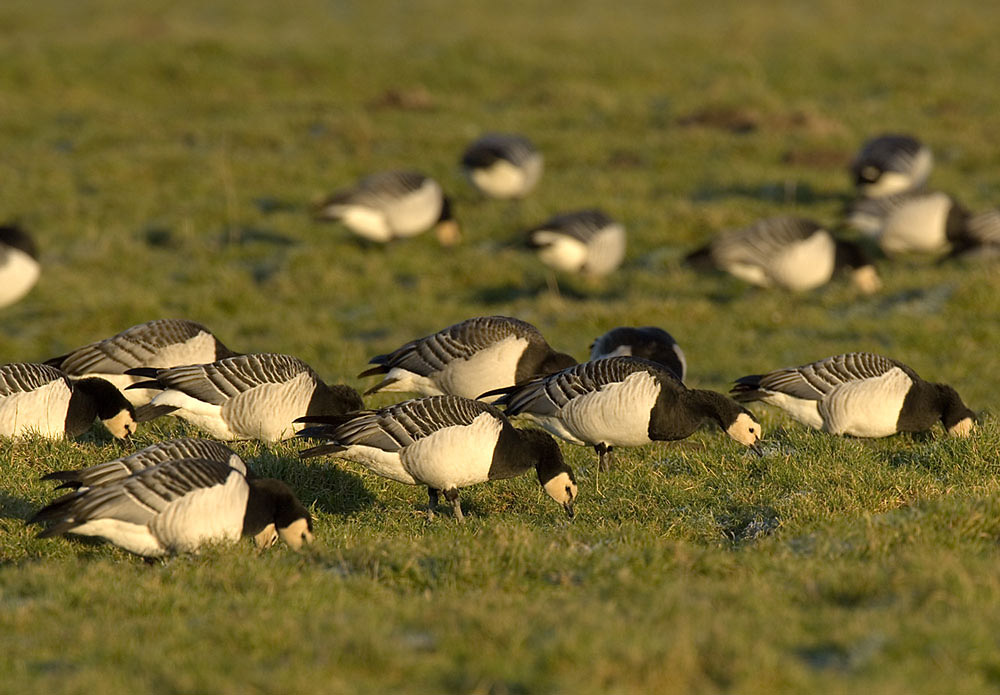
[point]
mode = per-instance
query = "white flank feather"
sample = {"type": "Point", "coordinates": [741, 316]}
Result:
{"type": "Point", "coordinates": [868, 407]}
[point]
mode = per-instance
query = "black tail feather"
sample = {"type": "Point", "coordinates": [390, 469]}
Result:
{"type": "Point", "coordinates": [148, 372]}
{"type": "Point", "coordinates": [747, 388]}
{"type": "Point", "coordinates": [145, 413]}
{"type": "Point", "coordinates": [321, 449]}
{"type": "Point", "coordinates": [701, 258]}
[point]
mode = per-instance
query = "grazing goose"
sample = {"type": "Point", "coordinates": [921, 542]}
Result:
{"type": "Point", "coordinates": [39, 398]}
{"type": "Point", "coordinates": [503, 166]}
{"type": "Point", "coordinates": [467, 359]}
{"type": "Point", "coordinates": [587, 242]}
{"type": "Point", "coordinates": [178, 506]}
{"type": "Point", "coordinates": [246, 397]}
{"type": "Point", "coordinates": [393, 205]}
{"type": "Point", "coordinates": [981, 238]}
{"type": "Point", "coordinates": [19, 267]}
{"type": "Point", "coordinates": [860, 394]}
{"type": "Point", "coordinates": [890, 164]}
{"type": "Point", "coordinates": [445, 443]}
{"type": "Point", "coordinates": [160, 343]}
{"type": "Point", "coordinates": [920, 222]}
{"type": "Point", "coordinates": [789, 252]}
{"type": "Point", "coordinates": [649, 343]}
{"type": "Point", "coordinates": [624, 401]}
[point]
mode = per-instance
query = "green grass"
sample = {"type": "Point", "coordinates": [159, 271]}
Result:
{"type": "Point", "coordinates": [165, 157]}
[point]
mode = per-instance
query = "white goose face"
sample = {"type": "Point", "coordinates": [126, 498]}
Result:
{"type": "Point", "coordinates": [962, 428]}
{"type": "Point", "coordinates": [866, 279]}
{"type": "Point", "coordinates": [296, 534]}
{"type": "Point", "coordinates": [121, 425]}
{"type": "Point", "coordinates": [745, 430]}
{"type": "Point", "coordinates": [562, 489]}
{"type": "Point", "coordinates": [267, 537]}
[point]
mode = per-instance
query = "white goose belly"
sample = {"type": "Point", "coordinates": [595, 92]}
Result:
{"type": "Point", "coordinates": [204, 515]}
{"type": "Point", "coordinates": [18, 274]}
{"type": "Point", "coordinates": [455, 456]}
{"type": "Point", "coordinates": [42, 410]}
{"type": "Point", "coordinates": [617, 415]}
{"type": "Point", "coordinates": [806, 264]}
{"type": "Point", "coordinates": [866, 408]}
{"type": "Point", "coordinates": [267, 412]}
{"type": "Point", "coordinates": [491, 368]}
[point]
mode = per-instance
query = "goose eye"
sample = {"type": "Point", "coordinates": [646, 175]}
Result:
{"type": "Point", "coordinates": [751, 430]}
{"type": "Point", "coordinates": [569, 490]}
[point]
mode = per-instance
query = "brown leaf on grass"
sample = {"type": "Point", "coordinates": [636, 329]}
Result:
{"type": "Point", "coordinates": [408, 99]}
{"type": "Point", "coordinates": [732, 118]}
{"type": "Point", "coordinates": [817, 157]}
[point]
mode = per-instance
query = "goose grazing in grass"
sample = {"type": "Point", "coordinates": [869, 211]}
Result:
{"type": "Point", "coordinates": [393, 205]}
{"type": "Point", "coordinates": [587, 242]}
{"type": "Point", "coordinates": [467, 359]}
{"type": "Point", "coordinates": [503, 166]}
{"type": "Point", "coordinates": [648, 342]}
{"type": "Point", "coordinates": [929, 222]}
{"type": "Point", "coordinates": [445, 443]}
{"type": "Point", "coordinates": [178, 506]}
{"type": "Point", "coordinates": [624, 401]}
{"type": "Point", "coordinates": [890, 164]}
{"type": "Point", "coordinates": [861, 394]}
{"type": "Point", "coordinates": [160, 343]}
{"type": "Point", "coordinates": [788, 252]}
{"type": "Point", "coordinates": [37, 398]}
{"type": "Point", "coordinates": [981, 238]}
{"type": "Point", "coordinates": [19, 267]}
{"type": "Point", "coordinates": [254, 396]}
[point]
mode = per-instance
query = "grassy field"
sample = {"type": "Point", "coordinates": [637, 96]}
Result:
{"type": "Point", "coordinates": [166, 156]}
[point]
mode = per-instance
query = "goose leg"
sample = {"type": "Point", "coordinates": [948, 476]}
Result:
{"type": "Point", "coordinates": [604, 456]}
{"type": "Point", "coordinates": [432, 497]}
{"type": "Point", "coordinates": [452, 496]}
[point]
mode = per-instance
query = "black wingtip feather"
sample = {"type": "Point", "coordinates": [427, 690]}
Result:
{"type": "Point", "coordinates": [747, 388]}
{"type": "Point", "coordinates": [145, 413]}
{"type": "Point", "coordinates": [145, 385]}
{"type": "Point", "coordinates": [67, 478]}
{"type": "Point", "coordinates": [321, 450]}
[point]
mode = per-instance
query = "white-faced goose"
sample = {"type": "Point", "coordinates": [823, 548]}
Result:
{"type": "Point", "coordinates": [860, 394]}
{"type": "Point", "coordinates": [160, 343]}
{"type": "Point", "coordinates": [393, 205]}
{"type": "Point", "coordinates": [254, 396]}
{"type": "Point", "coordinates": [624, 401]}
{"type": "Point", "coordinates": [890, 164]}
{"type": "Point", "coordinates": [19, 267]}
{"type": "Point", "coordinates": [503, 166]}
{"type": "Point", "coordinates": [929, 222]}
{"type": "Point", "coordinates": [178, 506]}
{"type": "Point", "coordinates": [469, 358]}
{"type": "Point", "coordinates": [587, 242]}
{"type": "Point", "coordinates": [648, 342]}
{"type": "Point", "coordinates": [445, 443]}
{"type": "Point", "coordinates": [41, 399]}
{"type": "Point", "coordinates": [789, 252]}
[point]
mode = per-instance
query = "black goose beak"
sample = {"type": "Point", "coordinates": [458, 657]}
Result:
{"type": "Point", "coordinates": [568, 506]}
{"type": "Point", "coordinates": [755, 447]}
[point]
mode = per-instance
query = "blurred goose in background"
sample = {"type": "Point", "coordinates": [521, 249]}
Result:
{"type": "Point", "coordinates": [648, 342]}
{"type": "Point", "coordinates": [890, 164]}
{"type": "Point", "coordinates": [160, 343]}
{"type": "Point", "coordinates": [393, 205]}
{"type": "Point", "coordinates": [41, 399]}
{"type": "Point", "coordinates": [859, 393]}
{"type": "Point", "coordinates": [178, 506]}
{"type": "Point", "coordinates": [788, 252]}
{"type": "Point", "coordinates": [503, 166]}
{"type": "Point", "coordinates": [587, 242]}
{"type": "Point", "coordinates": [624, 401]}
{"type": "Point", "coordinates": [467, 359]}
{"type": "Point", "coordinates": [246, 397]}
{"type": "Point", "coordinates": [19, 267]}
{"type": "Point", "coordinates": [929, 222]}
{"type": "Point", "coordinates": [981, 238]}
{"type": "Point", "coordinates": [445, 443]}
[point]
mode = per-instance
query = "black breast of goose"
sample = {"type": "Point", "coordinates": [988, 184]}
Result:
{"type": "Point", "coordinates": [927, 222]}
{"type": "Point", "coordinates": [648, 342]}
{"type": "Point", "coordinates": [445, 443]}
{"type": "Point", "coordinates": [624, 401]}
{"type": "Point", "coordinates": [19, 267]}
{"type": "Point", "coordinates": [468, 358]}
{"type": "Point", "coordinates": [502, 165]}
{"type": "Point", "coordinates": [255, 396]}
{"type": "Point", "coordinates": [588, 242]}
{"type": "Point", "coordinates": [160, 343]}
{"type": "Point", "coordinates": [178, 506]}
{"type": "Point", "coordinates": [41, 399]}
{"type": "Point", "coordinates": [890, 164]}
{"type": "Point", "coordinates": [860, 394]}
{"type": "Point", "coordinates": [393, 205]}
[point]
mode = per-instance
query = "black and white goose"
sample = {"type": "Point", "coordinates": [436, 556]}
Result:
{"type": "Point", "coordinates": [445, 443]}
{"type": "Point", "coordinates": [588, 242]}
{"type": "Point", "coordinates": [178, 506]}
{"type": "Point", "coordinates": [890, 164]}
{"type": "Point", "coordinates": [161, 343]}
{"type": "Point", "coordinates": [648, 342]}
{"type": "Point", "coordinates": [502, 165]}
{"type": "Point", "coordinates": [981, 238]}
{"type": "Point", "coordinates": [254, 396]}
{"type": "Point", "coordinates": [41, 399]}
{"type": "Point", "coordinates": [859, 393]}
{"type": "Point", "coordinates": [790, 252]}
{"type": "Point", "coordinates": [467, 359]}
{"type": "Point", "coordinates": [19, 267]}
{"type": "Point", "coordinates": [624, 401]}
{"type": "Point", "coordinates": [393, 205]}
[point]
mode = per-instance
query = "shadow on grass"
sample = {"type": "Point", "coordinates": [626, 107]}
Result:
{"type": "Point", "coordinates": [15, 507]}
{"type": "Point", "coordinates": [785, 192]}
{"type": "Point", "coordinates": [316, 481]}
{"type": "Point", "coordinates": [568, 290]}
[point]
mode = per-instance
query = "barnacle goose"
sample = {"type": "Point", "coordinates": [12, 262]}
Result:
{"type": "Point", "coordinates": [179, 505]}
{"type": "Point", "coordinates": [255, 396]}
{"type": "Point", "coordinates": [445, 443]}
{"type": "Point", "coordinates": [929, 222]}
{"type": "Point", "coordinates": [159, 343]}
{"type": "Point", "coordinates": [789, 252]}
{"type": "Point", "coordinates": [393, 205]}
{"type": "Point", "coordinates": [859, 393]}
{"type": "Point", "coordinates": [981, 237]}
{"type": "Point", "coordinates": [19, 267]}
{"type": "Point", "coordinates": [467, 359]}
{"type": "Point", "coordinates": [39, 398]}
{"type": "Point", "coordinates": [503, 166]}
{"type": "Point", "coordinates": [624, 401]}
{"type": "Point", "coordinates": [586, 241]}
{"type": "Point", "coordinates": [890, 164]}
{"type": "Point", "coordinates": [648, 342]}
